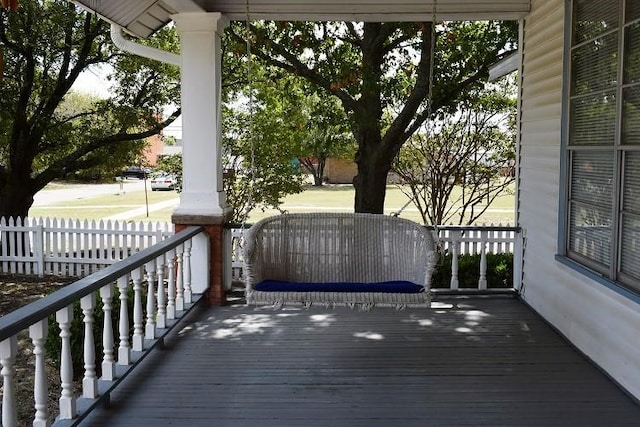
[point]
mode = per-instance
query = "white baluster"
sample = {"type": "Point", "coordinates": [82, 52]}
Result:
{"type": "Point", "coordinates": [38, 333]}
{"type": "Point", "coordinates": [227, 259]}
{"type": "Point", "coordinates": [186, 269]}
{"type": "Point", "coordinates": [150, 327]}
{"type": "Point", "coordinates": [161, 316]}
{"type": "Point", "coordinates": [8, 351]}
{"type": "Point", "coordinates": [482, 281]}
{"type": "Point", "coordinates": [171, 285]}
{"type": "Point", "coordinates": [138, 319]}
{"type": "Point", "coordinates": [518, 254]}
{"type": "Point", "coordinates": [108, 359]}
{"type": "Point", "coordinates": [67, 399]}
{"type": "Point", "coordinates": [124, 350]}
{"type": "Point", "coordinates": [179, 279]}
{"type": "Point", "coordinates": [90, 380]}
{"type": "Point", "coordinates": [455, 244]}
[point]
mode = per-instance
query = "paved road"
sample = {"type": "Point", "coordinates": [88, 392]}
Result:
{"type": "Point", "coordinates": [56, 193]}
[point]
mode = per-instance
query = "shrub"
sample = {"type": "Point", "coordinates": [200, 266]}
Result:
{"type": "Point", "coordinates": [499, 271]}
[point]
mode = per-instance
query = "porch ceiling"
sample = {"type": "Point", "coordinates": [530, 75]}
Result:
{"type": "Point", "coordinates": [143, 17]}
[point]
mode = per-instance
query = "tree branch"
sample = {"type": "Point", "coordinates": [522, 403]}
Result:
{"type": "Point", "coordinates": [62, 166]}
{"type": "Point", "coordinates": [295, 66]}
{"type": "Point", "coordinates": [397, 134]}
{"type": "Point", "coordinates": [445, 98]}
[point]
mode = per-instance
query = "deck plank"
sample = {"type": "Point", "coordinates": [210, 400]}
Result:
{"type": "Point", "coordinates": [469, 362]}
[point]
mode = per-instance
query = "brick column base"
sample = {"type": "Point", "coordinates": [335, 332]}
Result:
{"type": "Point", "coordinates": [216, 294]}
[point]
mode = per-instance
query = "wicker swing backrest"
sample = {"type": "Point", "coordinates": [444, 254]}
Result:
{"type": "Point", "coordinates": [335, 247]}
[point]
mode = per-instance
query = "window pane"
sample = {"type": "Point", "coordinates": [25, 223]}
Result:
{"type": "Point", "coordinates": [595, 65]}
{"type": "Point", "coordinates": [633, 10]}
{"type": "Point", "coordinates": [631, 193]}
{"type": "Point", "coordinates": [630, 246]}
{"type": "Point", "coordinates": [592, 177]}
{"type": "Point", "coordinates": [593, 119]}
{"type": "Point", "coordinates": [593, 17]}
{"type": "Point", "coordinates": [632, 54]}
{"type": "Point", "coordinates": [631, 116]}
{"type": "Point", "coordinates": [590, 232]}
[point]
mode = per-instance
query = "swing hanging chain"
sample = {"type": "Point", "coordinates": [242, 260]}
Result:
{"type": "Point", "coordinates": [432, 62]}
{"type": "Point", "coordinates": [432, 59]}
{"type": "Point", "coordinates": [250, 127]}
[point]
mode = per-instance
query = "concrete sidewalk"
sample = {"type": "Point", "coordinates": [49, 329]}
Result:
{"type": "Point", "coordinates": [141, 211]}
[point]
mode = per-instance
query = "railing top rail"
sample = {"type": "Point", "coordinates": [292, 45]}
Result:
{"type": "Point", "coordinates": [475, 227]}
{"type": "Point", "coordinates": [26, 316]}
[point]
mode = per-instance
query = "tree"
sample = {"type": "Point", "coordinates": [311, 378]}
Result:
{"type": "Point", "coordinates": [172, 164]}
{"type": "Point", "coordinates": [381, 72]}
{"type": "Point", "coordinates": [260, 147]}
{"type": "Point", "coordinates": [78, 107]}
{"type": "Point", "coordinates": [326, 134]}
{"type": "Point", "coordinates": [46, 45]}
{"type": "Point", "coordinates": [456, 169]}
{"type": "Point", "coordinates": [259, 144]}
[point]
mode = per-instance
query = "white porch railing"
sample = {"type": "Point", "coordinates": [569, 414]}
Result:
{"type": "Point", "coordinates": [159, 278]}
{"type": "Point", "coordinates": [453, 240]}
{"type": "Point", "coordinates": [73, 248]}
{"type": "Point", "coordinates": [481, 240]}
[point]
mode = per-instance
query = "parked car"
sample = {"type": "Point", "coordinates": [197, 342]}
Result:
{"type": "Point", "coordinates": [136, 172]}
{"type": "Point", "coordinates": [163, 182]}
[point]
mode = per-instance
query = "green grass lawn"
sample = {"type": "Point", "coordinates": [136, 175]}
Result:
{"type": "Point", "coordinates": [340, 199]}
{"type": "Point", "coordinates": [103, 206]}
{"type": "Point", "coordinates": [313, 199]}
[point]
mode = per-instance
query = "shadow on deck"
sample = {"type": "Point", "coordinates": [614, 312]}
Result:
{"type": "Point", "coordinates": [464, 362]}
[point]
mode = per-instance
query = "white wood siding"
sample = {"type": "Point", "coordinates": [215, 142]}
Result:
{"type": "Point", "coordinates": [600, 322]}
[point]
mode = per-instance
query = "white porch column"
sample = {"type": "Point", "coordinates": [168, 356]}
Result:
{"type": "Point", "coordinates": [202, 201]}
{"type": "Point", "coordinates": [202, 192]}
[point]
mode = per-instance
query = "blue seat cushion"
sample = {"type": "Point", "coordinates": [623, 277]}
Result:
{"type": "Point", "coordinates": [399, 287]}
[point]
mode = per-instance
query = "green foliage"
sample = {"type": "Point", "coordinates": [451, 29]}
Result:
{"type": "Point", "coordinates": [46, 131]}
{"type": "Point", "coordinates": [169, 140]}
{"type": "Point", "coordinates": [499, 271]}
{"type": "Point", "coordinates": [326, 134]}
{"type": "Point", "coordinates": [172, 164]}
{"type": "Point", "coordinates": [259, 153]}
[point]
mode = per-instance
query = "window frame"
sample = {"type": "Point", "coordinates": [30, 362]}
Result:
{"type": "Point", "coordinates": [611, 274]}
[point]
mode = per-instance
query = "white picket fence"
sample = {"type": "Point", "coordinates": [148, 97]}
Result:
{"type": "Point", "coordinates": [75, 248]}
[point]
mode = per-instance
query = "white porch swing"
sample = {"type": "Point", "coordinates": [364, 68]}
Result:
{"type": "Point", "coordinates": [355, 259]}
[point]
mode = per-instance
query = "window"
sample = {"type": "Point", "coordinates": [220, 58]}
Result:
{"type": "Point", "coordinates": [603, 139]}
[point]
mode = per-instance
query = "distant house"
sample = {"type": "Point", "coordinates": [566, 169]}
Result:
{"type": "Point", "coordinates": [157, 148]}
{"type": "Point", "coordinates": [342, 171]}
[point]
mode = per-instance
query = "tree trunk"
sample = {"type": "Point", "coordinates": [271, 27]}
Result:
{"type": "Point", "coordinates": [371, 187]}
{"type": "Point", "coordinates": [16, 197]}
{"type": "Point", "coordinates": [316, 171]}
{"type": "Point", "coordinates": [319, 175]}
{"type": "Point", "coordinates": [371, 181]}
{"type": "Point", "coordinates": [15, 201]}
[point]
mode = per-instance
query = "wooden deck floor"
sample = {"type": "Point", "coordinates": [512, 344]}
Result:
{"type": "Point", "coordinates": [470, 362]}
